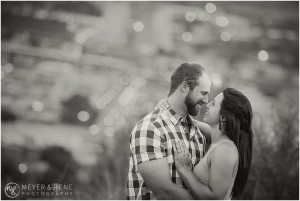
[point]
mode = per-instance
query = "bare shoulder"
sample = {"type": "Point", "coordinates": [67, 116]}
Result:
{"type": "Point", "coordinates": [225, 153]}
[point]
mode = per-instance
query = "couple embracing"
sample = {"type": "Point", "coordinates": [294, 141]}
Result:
{"type": "Point", "coordinates": [174, 156]}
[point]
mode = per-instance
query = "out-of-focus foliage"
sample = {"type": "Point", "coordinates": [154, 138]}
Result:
{"type": "Point", "coordinates": [274, 172]}
{"type": "Point", "coordinates": [7, 115]}
{"type": "Point", "coordinates": [62, 167]}
{"type": "Point", "coordinates": [73, 106]}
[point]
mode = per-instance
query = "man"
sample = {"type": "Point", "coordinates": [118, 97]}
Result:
{"type": "Point", "coordinates": [152, 173]}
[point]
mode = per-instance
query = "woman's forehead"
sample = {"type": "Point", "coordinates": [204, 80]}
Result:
{"type": "Point", "coordinates": [219, 98]}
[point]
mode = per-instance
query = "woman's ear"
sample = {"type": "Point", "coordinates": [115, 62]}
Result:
{"type": "Point", "coordinates": [222, 122]}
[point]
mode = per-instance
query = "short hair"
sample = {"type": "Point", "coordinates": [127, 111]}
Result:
{"type": "Point", "coordinates": [189, 72]}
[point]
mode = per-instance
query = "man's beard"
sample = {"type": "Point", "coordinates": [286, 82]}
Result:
{"type": "Point", "coordinates": [191, 105]}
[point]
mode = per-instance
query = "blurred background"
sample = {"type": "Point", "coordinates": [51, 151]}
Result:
{"type": "Point", "coordinates": [77, 76]}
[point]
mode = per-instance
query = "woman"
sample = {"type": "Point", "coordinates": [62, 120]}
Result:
{"type": "Point", "coordinates": [222, 173]}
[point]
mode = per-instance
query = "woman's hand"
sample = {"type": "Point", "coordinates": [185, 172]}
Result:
{"type": "Point", "coordinates": [181, 156]}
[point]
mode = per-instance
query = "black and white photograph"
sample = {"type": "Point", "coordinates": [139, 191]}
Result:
{"type": "Point", "coordinates": [149, 100]}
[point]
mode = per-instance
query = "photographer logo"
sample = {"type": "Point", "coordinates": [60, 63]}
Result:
{"type": "Point", "coordinates": [12, 190]}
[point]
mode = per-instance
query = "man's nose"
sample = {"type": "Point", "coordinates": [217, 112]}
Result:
{"type": "Point", "coordinates": [205, 100]}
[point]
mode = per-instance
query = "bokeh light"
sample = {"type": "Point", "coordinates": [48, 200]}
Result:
{"type": "Point", "coordinates": [77, 52]}
{"type": "Point", "coordinates": [70, 19]}
{"type": "Point", "coordinates": [109, 131]}
{"type": "Point", "coordinates": [23, 168]}
{"type": "Point", "coordinates": [25, 35]}
{"type": "Point", "coordinates": [210, 7]}
{"type": "Point", "coordinates": [225, 36]}
{"type": "Point", "coordinates": [83, 116]}
{"type": "Point", "coordinates": [37, 106]}
{"type": "Point", "coordinates": [222, 21]}
{"type": "Point", "coordinates": [190, 16]}
{"type": "Point", "coordinates": [100, 104]}
{"type": "Point", "coordinates": [8, 68]}
{"type": "Point", "coordinates": [263, 55]}
{"type": "Point", "coordinates": [108, 121]}
{"type": "Point", "coordinates": [203, 16]}
{"type": "Point", "coordinates": [138, 26]}
{"type": "Point", "coordinates": [187, 36]}
{"type": "Point", "coordinates": [94, 129]}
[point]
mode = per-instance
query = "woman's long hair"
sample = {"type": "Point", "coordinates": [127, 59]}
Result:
{"type": "Point", "coordinates": [237, 112]}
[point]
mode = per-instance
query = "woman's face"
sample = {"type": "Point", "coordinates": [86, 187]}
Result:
{"type": "Point", "coordinates": [212, 114]}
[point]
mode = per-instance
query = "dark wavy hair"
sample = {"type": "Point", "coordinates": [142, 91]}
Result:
{"type": "Point", "coordinates": [237, 111]}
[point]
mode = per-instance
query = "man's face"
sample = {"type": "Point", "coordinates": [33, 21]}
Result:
{"type": "Point", "coordinates": [198, 96]}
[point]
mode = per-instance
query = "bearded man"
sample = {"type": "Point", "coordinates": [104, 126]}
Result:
{"type": "Point", "coordinates": [152, 172]}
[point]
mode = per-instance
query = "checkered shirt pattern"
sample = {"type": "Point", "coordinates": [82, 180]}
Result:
{"type": "Point", "coordinates": [152, 138]}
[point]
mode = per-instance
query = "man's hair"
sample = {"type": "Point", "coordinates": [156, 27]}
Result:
{"type": "Point", "coordinates": [189, 72]}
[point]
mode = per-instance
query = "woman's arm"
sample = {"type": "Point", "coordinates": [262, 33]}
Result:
{"type": "Point", "coordinates": [205, 129]}
{"type": "Point", "coordinates": [222, 163]}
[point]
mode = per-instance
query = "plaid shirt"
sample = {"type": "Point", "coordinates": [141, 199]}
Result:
{"type": "Point", "coordinates": [152, 138]}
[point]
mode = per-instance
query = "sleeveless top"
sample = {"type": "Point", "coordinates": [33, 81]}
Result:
{"type": "Point", "coordinates": [201, 170]}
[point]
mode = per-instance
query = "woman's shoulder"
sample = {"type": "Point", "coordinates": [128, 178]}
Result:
{"type": "Point", "coordinates": [225, 151]}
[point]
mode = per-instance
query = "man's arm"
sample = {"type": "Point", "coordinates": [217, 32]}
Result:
{"type": "Point", "coordinates": [148, 145]}
{"type": "Point", "coordinates": [156, 174]}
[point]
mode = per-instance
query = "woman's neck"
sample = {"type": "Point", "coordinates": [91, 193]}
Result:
{"type": "Point", "coordinates": [217, 135]}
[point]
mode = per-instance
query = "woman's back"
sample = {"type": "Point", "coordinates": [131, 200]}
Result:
{"type": "Point", "coordinates": [202, 169]}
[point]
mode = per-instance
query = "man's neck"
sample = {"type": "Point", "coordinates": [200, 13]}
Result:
{"type": "Point", "coordinates": [177, 104]}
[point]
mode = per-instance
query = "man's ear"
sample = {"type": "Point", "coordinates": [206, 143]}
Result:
{"type": "Point", "coordinates": [185, 88]}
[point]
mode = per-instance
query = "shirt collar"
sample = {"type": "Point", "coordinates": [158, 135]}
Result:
{"type": "Point", "coordinates": [172, 115]}
{"type": "Point", "coordinates": [176, 118]}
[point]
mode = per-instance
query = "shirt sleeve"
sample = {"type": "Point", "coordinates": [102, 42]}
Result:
{"type": "Point", "coordinates": [147, 143]}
